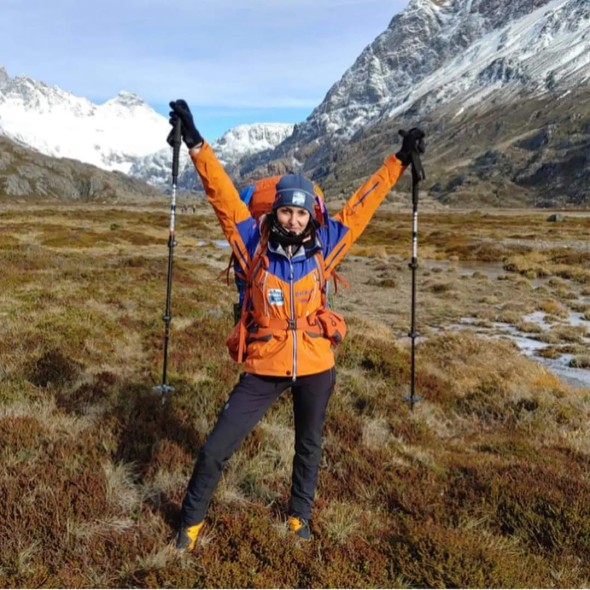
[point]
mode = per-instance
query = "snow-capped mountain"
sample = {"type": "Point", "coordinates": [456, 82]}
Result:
{"type": "Point", "coordinates": [59, 124]}
{"type": "Point", "coordinates": [245, 140]}
{"type": "Point", "coordinates": [436, 51]}
{"type": "Point", "coordinates": [231, 147]}
{"type": "Point", "coordinates": [486, 73]}
{"type": "Point", "coordinates": [124, 134]}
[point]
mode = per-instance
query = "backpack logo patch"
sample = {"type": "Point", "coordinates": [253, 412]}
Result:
{"type": "Point", "coordinates": [275, 297]}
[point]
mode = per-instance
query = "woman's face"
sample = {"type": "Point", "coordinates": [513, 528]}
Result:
{"type": "Point", "coordinates": [293, 219]}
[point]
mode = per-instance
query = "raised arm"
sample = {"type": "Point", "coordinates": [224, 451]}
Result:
{"type": "Point", "coordinates": [349, 223]}
{"type": "Point", "coordinates": [220, 190]}
{"type": "Point", "coordinates": [237, 224]}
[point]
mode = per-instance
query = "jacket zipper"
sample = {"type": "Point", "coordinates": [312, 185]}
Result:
{"type": "Point", "coordinates": [292, 319]}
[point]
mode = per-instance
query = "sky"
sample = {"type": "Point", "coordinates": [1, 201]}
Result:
{"type": "Point", "coordinates": [234, 62]}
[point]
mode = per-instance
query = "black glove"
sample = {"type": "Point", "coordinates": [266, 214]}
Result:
{"type": "Point", "coordinates": [413, 140]}
{"type": "Point", "coordinates": [189, 132]}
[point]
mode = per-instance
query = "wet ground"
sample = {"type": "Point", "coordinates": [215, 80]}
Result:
{"type": "Point", "coordinates": [529, 344]}
{"type": "Point", "coordinates": [473, 296]}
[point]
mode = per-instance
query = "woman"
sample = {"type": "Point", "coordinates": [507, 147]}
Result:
{"type": "Point", "coordinates": [286, 332]}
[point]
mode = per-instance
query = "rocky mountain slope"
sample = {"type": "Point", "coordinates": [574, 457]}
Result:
{"type": "Point", "coordinates": [25, 173]}
{"type": "Point", "coordinates": [500, 87]}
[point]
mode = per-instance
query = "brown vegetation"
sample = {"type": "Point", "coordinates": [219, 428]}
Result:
{"type": "Point", "coordinates": [484, 484]}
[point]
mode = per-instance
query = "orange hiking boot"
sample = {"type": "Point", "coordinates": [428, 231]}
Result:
{"type": "Point", "coordinates": [186, 539]}
{"type": "Point", "coordinates": [299, 526]}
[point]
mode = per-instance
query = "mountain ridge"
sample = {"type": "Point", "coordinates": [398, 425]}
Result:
{"type": "Point", "coordinates": [60, 124]}
{"type": "Point", "coordinates": [441, 65]}
{"type": "Point", "coordinates": [122, 134]}
{"type": "Point", "coordinates": [492, 77]}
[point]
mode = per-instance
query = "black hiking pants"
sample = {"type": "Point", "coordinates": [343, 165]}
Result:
{"type": "Point", "coordinates": [247, 403]}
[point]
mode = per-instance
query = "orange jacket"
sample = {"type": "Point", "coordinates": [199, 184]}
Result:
{"type": "Point", "coordinates": [286, 292]}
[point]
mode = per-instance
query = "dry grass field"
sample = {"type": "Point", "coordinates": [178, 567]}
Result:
{"type": "Point", "coordinates": [484, 484]}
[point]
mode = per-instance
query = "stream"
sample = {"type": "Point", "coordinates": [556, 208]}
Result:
{"type": "Point", "coordinates": [528, 344]}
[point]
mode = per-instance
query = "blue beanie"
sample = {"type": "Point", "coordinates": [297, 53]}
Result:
{"type": "Point", "coordinates": [294, 190]}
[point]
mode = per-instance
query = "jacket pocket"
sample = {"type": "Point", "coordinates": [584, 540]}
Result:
{"type": "Point", "coordinates": [333, 325]}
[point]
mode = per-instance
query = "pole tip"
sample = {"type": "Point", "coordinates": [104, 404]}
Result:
{"type": "Point", "coordinates": [164, 389]}
{"type": "Point", "coordinates": [411, 400]}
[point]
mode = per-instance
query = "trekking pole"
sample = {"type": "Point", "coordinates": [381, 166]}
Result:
{"type": "Point", "coordinates": [176, 141]}
{"type": "Point", "coordinates": [417, 176]}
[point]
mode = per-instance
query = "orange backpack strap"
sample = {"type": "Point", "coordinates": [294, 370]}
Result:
{"type": "Point", "coordinates": [231, 264]}
{"type": "Point", "coordinates": [243, 327]}
{"type": "Point", "coordinates": [236, 342]}
{"type": "Point", "coordinates": [259, 259]}
{"type": "Point", "coordinates": [330, 324]}
{"type": "Point", "coordinates": [326, 276]}
{"type": "Point", "coordinates": [339, 279]}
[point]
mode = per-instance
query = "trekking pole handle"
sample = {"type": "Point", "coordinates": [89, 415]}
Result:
{"type": "Point", "coordinates": [418, 174]}
{"type": "Point", "coordinates": [176, 143]}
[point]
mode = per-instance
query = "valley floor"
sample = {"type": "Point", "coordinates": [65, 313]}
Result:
{"type": "Point", "coordinates": [483, 484]}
